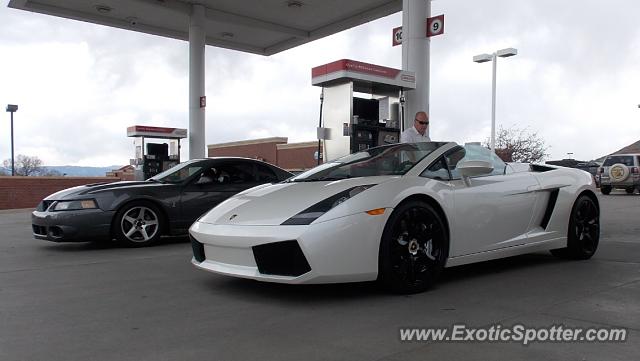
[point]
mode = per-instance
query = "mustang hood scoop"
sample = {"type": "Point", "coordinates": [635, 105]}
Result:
{"type": "Point", "coordinates": [274, 204]}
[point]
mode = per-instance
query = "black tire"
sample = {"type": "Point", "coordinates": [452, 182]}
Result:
{"type": "Point", "coordinates": [605, 190]}
{"type": "Point", "coordinates": [413, 249]}
{"type": "Point", "coordinates": [630, 190]}
{"type": "Point", "coordinates": [584, 230]}
{"type": "Point", "coordinates": [138, 224]}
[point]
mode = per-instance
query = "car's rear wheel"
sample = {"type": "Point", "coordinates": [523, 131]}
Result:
{"type": "Point", "coordinates": [584, 230]}
{"type": "Point", "coordinates": [605, 189]}
{"type": "Point", "coordinates": [630, 190]}
{"type": "Point", "coordinates": [413, 249]}
{"type": "Point", "coordinates": [138, 224]}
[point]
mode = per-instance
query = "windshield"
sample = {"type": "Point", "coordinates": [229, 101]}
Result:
{"type": "Point", "coordinates": [394, 159]}
{"type": "Point", "coordinates": [178, 173]}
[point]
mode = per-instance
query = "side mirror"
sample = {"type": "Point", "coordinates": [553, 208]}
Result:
{"type": "Point", "coordinates": [472, 168]}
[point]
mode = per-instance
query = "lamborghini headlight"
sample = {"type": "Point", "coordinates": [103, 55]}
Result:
{"type": "Point", "coordinates": [315, 211]}
{"type": "Point", "coordinates": [75, 205]}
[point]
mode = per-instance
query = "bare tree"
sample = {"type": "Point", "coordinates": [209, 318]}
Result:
{"type": "Point", "coordinates": [25, 165]}
{"type": "Point", "coordinates": [519, 145]}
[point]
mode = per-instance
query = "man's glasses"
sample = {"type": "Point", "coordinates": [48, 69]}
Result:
{"type": "Point", "coordinates": [423, 123]}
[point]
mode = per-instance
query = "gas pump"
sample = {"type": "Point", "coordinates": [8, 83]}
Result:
{"type": "Point", "coordinates": [352, 121]}
{"type": "Point", "coordinates": [152, 158]}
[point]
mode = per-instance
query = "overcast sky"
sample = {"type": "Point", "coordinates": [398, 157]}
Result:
{"type": "Point", "coordinates": [575, 80]}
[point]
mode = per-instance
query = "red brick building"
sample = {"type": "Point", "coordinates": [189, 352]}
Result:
{"type": "Point", "coordinates": [124, 173]}
{"type": "Point", "coordinates": [276, 150]}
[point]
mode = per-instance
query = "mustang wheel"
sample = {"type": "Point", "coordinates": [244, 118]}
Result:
{"type": "Point", "coordinates": [413, 249]}
{"type": "Point", "coordinates": [138, 224]}
{"type": "Point", "coordinates": [584, 230]}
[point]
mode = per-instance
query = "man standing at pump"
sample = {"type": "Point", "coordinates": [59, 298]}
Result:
{"type": "Point", "coordinates": [417, 133]}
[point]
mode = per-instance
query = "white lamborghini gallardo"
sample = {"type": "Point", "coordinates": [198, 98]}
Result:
{"type": "Point", "coordinates": [399, 214]}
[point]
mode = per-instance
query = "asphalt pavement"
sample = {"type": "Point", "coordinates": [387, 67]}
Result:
{"type": "Point", "coordinates": [88, 301]}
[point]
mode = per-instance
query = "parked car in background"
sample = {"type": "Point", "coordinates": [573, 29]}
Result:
{"type": "Point", "coordinates": [138, 213]}
{"type": "Point", "coordinates": [620, 171]}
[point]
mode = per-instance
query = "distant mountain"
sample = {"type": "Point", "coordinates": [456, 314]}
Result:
{"type": "Point", "coordinates": [75, 171]}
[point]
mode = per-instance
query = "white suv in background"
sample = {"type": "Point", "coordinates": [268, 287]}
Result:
{"type": "Point", "coordinates": [620, 171]}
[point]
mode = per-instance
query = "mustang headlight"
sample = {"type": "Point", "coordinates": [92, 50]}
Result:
{"type": "Point", "coordinates": [74, 205]}
{"type": "Point", "coordinates": [315, 211]}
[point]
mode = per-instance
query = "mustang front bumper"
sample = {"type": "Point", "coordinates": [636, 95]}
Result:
{"type": "Point", "coordinates": [340, 250]}
{"type": "Point", "coordinates": [72, 226]}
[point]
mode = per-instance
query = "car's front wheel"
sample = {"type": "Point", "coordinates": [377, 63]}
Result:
{"type": "Point", "coordinates": [413, 249]}
{"type": "Point", "coordinates": [584, 230]}
{"type": "Point", "coordinates": [138, 224]}
{"type": "Point", "coordinates": [605, 190]}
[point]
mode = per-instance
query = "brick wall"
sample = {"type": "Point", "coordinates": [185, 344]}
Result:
{"type": "Point", "coordinates": [289, 156]}
{"type": "Point", "coordinates": [27, 192]}
{"type": "Point", "coordinates": [297, 156]}
{"type": "Point", "coordinates": [263, 149]}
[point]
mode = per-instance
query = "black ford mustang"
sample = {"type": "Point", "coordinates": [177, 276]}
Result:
{"type": "Point", "coordinates": [138, 213]}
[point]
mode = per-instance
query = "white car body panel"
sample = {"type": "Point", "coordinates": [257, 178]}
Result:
{"type": "Point", "coordinates": [491, 217]}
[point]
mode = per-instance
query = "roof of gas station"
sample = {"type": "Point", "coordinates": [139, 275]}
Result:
{"type": "Point", "coordinates": [262, 27]}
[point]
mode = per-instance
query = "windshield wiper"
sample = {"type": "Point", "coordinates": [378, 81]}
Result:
{"type": "Point", "coordinates": [322, 179]}
{"type": "Point", "coordinates": [344, 176]}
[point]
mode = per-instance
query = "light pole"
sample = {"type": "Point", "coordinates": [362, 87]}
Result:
{"type": "Point", "coordinates": [12, 108]}
{"type": "Point", "coordinates": [482, 58]}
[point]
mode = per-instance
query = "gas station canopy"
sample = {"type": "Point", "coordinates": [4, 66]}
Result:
{"type": "Point", "coordinates": [262, 27]}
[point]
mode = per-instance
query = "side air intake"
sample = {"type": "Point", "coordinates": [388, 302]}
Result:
{"type": "Point", "coordinates": [551, 204]}
{"type": "Point", "coordinates": [281, 258]}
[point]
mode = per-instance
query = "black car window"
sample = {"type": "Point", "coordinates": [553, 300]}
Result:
{"type": "Point", "coordinates": [178, 175]}
{"type": "Point", "coordinates": [265, 174]}
{"type": "Point", "coordinates": [209, 176]}
{"type": "Point", "coordinates": [236, 173]}
{"type": "Point", "coordinates": [437, 170]}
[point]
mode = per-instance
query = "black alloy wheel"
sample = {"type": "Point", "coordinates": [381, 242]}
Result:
{"type": "Point", "coordinates": [414, 248]}
{"type": "Point", "coordinates": [584, 230]}
{"type": "Point", "coordinates": [138, 224]}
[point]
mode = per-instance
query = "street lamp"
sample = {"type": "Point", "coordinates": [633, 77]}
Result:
{"type": "Point", "coordinates": [482, 58]}
{"type": "Point", "coordinates": [12, 108]}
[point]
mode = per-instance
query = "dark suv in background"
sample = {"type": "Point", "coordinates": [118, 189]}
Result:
{"type": "Point", "coordinates": [620, 171]}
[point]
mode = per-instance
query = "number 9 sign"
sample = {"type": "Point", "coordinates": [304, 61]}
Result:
{"type": "Point", "coordinates": [435, 25]}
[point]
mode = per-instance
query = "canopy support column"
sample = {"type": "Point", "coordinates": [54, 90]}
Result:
{"type": "Point", "coordinates": [197, 100]}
